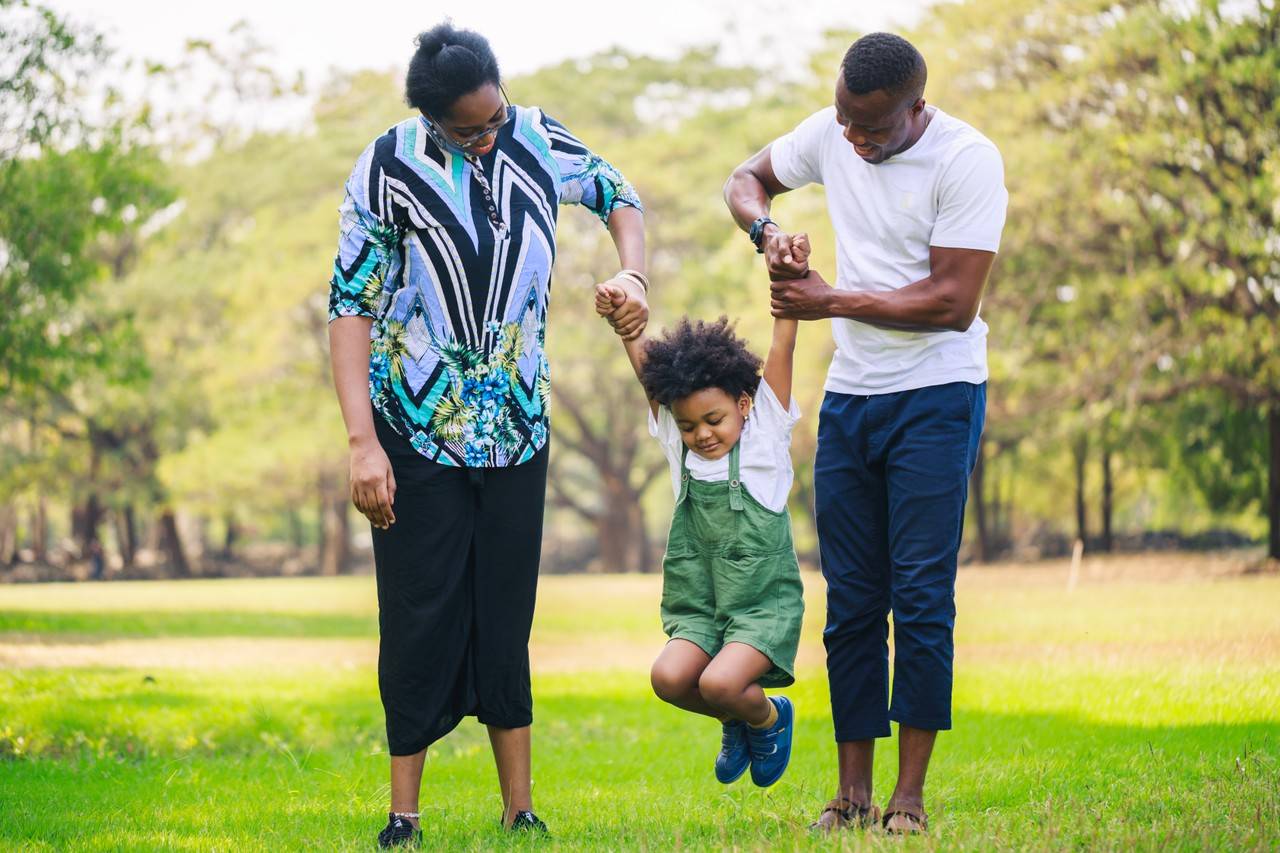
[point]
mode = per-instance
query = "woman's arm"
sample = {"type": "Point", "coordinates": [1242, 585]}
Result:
{"type": "Point", "coordinates": [626, 227]}
{"type": "Point", "coordinates": [373, 485]}
{"type": "Point", "coordinates": [593, 182]}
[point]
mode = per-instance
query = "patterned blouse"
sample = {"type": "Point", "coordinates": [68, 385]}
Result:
{"type": "Point", "coordinates": [451, 255]}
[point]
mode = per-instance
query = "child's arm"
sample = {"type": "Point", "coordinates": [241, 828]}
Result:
{"type": "Point", "coordinates": [609, 297]}
{"type": "Point", "coordinates": [778, 364]}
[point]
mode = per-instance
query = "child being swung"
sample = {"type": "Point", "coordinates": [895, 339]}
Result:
{"type": "Point", "coordinates": [732, 599]}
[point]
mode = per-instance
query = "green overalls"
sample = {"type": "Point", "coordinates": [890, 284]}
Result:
{"type": "Point", "coordinates": [730, 573]}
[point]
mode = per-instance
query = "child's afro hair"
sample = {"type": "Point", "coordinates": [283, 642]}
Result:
{"type": "Point", "coordinates": [694, 356]}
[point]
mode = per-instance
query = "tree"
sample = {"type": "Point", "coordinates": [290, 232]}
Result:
{"type": "Point", "coordinates": [78, 182]}
{"type": "Point", "coordinates": [1184, 103]}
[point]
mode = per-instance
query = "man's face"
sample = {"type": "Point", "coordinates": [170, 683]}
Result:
{"type": "Point", "coordinates": [876, 124]}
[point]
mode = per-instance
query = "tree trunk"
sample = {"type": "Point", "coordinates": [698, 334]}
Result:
{"type": "Point", "coordinates": [198, 527]}
{"type": "Point", "coordinates": [91, 516]}
{"type": "Point", "coordinates": [77, 523]}
{"type": "Point", "coordinates": [335, 526]}
{"type": "Point", "coordinates": [647, 563]}
{"type": "Point", "coordinates": [1107, 502]}
{"type": "Point", "coordinates": [613, 530]}
{"type": "Point", "coordinates": [295, 529]}
{"type": "Point", "coordinates": [86, 518]}
{"type": "Point", "coordinates": [229, 538]}
{"type": "Point", "coordinates": [8, 535]}
{"type": "Point", "coordinates": [1273, 485]}
{"type": "Point", "coordinates": [620, 529]}
{"type": "Point", "coordinates": [171, 543]}
{"type": "Point", "coordinates": [1081, 452]}
{"type": "Point", "coordinates": [977, 480]}
{"type": "Point", "coordinates": [40, 531]}
{"type": "Point", "coordinates": [127, 525]}
{"type": "Point", "coordinates": [996, 505]}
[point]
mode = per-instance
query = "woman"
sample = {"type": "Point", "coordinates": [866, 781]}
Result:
{"type": "Point", "coordinates": [438, 310]}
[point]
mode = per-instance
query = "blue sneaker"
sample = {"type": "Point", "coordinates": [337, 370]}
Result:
{"type": "Point", "coordinates": [771, 747]}
{"type": "Point", "coordinates": [735, 756]}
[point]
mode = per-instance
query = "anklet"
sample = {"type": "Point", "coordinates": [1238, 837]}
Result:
{"type": "Point", "coordinates": [413, 815]}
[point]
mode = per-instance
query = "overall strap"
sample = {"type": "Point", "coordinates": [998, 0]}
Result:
{"type": "Point", "coordinates": [735, 482]}
{"type": "Point", "coordinates": [684, 474]}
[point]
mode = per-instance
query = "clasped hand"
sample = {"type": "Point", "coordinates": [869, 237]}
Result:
{"type": "Point", "coordinates": [796, 291]}
{"type": "Point", "coordinates": [622, 302]}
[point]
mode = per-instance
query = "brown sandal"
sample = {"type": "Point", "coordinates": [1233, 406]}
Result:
{"type": "Point", "coordinates": [847, 814]}
{"type": "Point", "coordinates": [920, 819]}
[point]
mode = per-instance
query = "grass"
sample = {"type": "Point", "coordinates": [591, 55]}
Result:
{"type": "Point", "coordinates": [1130, 713]}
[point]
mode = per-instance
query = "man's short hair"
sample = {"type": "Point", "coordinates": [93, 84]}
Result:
{"type": "Point", "coordinates": [884, 61]}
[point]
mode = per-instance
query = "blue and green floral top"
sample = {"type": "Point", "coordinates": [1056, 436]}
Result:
{"type": "Point", "coordinates": [451, 255]}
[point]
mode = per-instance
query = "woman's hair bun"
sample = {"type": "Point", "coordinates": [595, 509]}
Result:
{"type": "Point", "coordinates": [448, 64]}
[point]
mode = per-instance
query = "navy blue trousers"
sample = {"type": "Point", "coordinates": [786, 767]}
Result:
{"type": "Point", "coordinates": [891, 479]}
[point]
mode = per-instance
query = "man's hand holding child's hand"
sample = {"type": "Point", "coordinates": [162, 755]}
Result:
{"type": "Point", "coordinates": [800, 251]}
{"type": "Point", "coordinates": [786, 255]}
{"type": "Point", "coordinates": [800, 297]}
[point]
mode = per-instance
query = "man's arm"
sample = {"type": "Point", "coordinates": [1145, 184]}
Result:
{"type": "Point", "coordinates": [749, 192]}
{"type": "Point", "coordinates": [946, 300]}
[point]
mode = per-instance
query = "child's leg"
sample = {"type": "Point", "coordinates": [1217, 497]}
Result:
{"type": "Point", "coordinates": [728, 684]}
{"type": "Point", "coordinates": [675, 676]}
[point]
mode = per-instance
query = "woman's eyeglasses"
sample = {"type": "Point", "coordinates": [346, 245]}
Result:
{"type": "Point", "coordinates": [467, 142]}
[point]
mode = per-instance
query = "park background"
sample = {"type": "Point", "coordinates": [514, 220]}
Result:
{"type": "Point", "coordinates": [168, 220]}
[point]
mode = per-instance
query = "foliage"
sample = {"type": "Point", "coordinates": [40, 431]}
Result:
{"type": "Point", "coordinates": [71, 188]}
{"type": "Point", "coordinates": [182, 363]}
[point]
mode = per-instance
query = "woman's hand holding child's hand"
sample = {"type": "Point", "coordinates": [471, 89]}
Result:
{"type": "Point", "coordinates": [622, 302]}
{"type": "Point", "coordinates": [613, 303]}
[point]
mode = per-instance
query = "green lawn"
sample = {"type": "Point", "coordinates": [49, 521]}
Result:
{"type": "Point", "coordinates": [1127, 713]}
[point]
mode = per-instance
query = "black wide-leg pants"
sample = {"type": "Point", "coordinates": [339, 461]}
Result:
{"type": "Point", "coordinates": [457, 576]}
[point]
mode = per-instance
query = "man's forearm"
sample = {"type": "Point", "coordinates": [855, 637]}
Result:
{"type": "Point", "coordinates": [746, 197]}
{"type": "Point", "coordinates": [922, 306]}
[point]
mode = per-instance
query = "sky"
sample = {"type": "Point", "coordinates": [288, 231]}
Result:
{"type": "Point", "coordinates": [317, 37]}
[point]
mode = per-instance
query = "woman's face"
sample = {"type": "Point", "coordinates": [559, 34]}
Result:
{"type": "Point", "coordinates": [710, 421]}
{"type": "Point", "coordinates": [473, 120]}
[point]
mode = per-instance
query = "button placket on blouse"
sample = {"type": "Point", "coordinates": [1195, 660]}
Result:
{"type": "Point", "coordinates": [491, 207]}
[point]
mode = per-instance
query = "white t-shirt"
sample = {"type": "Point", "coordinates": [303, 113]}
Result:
{"type": "Point", "coordinates": [764, 454]}
{"type": "Point", "coordinates": [947, 190]}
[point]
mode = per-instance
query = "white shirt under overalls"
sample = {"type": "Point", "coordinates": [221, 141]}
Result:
{"type": "Point", "coordinates": [764, 455]}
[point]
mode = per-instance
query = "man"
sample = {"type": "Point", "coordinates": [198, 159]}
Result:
{"type": "Point", "coordinates": [917, 201]}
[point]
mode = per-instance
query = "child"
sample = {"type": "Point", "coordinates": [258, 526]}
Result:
{"type": "Point", "coordinates": [732, 600]}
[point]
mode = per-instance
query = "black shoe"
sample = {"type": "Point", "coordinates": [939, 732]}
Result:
{"type": "Point", "coordinates": [527, 822]}
{"type": "Point", "coordinates": [399, 833]}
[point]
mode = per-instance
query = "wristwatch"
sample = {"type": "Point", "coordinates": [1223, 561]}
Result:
{"type": "Point", "coordinates": [757, 232]}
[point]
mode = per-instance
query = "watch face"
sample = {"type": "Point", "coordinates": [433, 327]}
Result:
{"type": "Point", "coordinates": [757, 229]}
